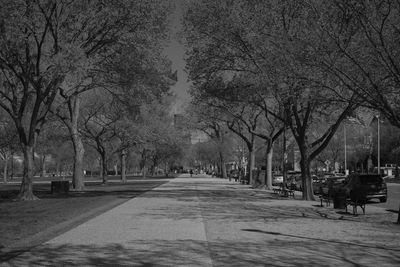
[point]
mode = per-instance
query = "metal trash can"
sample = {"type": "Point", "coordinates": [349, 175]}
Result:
{"type": "Point", "coordinates": [60, 187]}
{"type": "Point", "coordinates": [339, 200]}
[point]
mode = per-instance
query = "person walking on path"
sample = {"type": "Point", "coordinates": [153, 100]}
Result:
{"type": "Point", "coordinates": [191, 172]}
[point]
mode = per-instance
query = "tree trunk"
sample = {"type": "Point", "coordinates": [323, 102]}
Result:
{"type": "Point", "coordinates": [26, 189]}
{"type": "Point", "coordinates": [166, 169]}
{"type": "Point", "coordinates": [79, 150]}
{"type": "Point", "coordinates": [43, 167]}
{"type": "Point", "coordinates": [103, 167]}
{"type": "Point", "coordinates": [5, 168]}
{"type": "Point", "coordinates": [284, 157]}
{"type": "Point", "coordinates": [60, 170]}
{"type": "Point", "coordinates": [144, 172]}
{"type": "Point", "coordinates": [306, 182]}
{"type": "Point", "coordinates": [252, 157]}
{"type": "Point", "coordinates": [57, 167]}
{"type": "Point", "coordinates": [142, 164]}
{"type": "Point", "coordinates": [218, 168]}
{"type": "Point", "coordinates": [223, 167]}
{"type": "Point", "coordinates": [268, 169]}
{"type": "Point", "coordinates": [398, 216]}
{"type": "Point", "coordinates": [123, 166]}
{"type": "Point", "coordinates": [79, 153]}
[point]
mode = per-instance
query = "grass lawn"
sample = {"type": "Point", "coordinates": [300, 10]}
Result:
{"type": "Point", "coordinates": [29, 223]}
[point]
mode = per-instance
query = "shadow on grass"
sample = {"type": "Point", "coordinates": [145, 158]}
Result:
{"type": "Point", "coordinates": [318, 206]}
{"type": "Point", "coordinates": [27, 223]}
{"type": "Point", "coordinates": [202, 253]}
{"type": "Point", "coordinates": [9, 193]}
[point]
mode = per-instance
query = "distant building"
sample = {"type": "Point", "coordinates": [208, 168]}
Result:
{"type": "Point", "coordinates": [195, 136]}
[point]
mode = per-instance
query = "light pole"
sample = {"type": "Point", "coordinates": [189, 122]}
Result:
{"type": "Point", "coordinates": [345, 150]}
{"type": "Point", "coordinates": [379, 146]}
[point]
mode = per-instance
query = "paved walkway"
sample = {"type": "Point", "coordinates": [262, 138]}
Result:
{"type": "Point", "coordinates": [204, 221]}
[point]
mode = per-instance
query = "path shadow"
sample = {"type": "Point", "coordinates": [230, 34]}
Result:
{"type": "Point", "coordinates": [392, 210]}
{"type": "Point", "coordinates": [201, 253]}
{"type": "Point", "coordinates": [344, 243]}
{"type": "Point", "coordinates": [43, 191]}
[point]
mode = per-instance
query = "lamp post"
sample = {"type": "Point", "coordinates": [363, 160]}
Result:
{"type": "Point", "coordinates": [379, 146]}
{"type": "Point", "coordinates": [345, 150]}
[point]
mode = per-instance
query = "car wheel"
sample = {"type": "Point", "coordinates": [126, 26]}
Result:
{"type": "Point", "coordinates": [382, 199]}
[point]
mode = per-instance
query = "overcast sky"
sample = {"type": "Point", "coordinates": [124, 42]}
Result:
{"type": "Point", "coordinates": [176, 52]}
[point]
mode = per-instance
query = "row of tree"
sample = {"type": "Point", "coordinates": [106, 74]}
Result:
{"type": "Point", "coordinates": [92, 69]}
{"type": "Point", "coordinates": [262, 68]}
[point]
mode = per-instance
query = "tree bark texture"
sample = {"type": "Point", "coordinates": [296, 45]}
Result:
{"type": "Point", "coordinates": [268, 169]}
{"type": "Point", "coordinates": [398, 216]}
{"type": "Point", "coordinates": [116, 169]}
{"type": "Point", "coordinates": [284, 157]}
{"type": "Point", "coordinates": [252, 157]}
{"type": "Point", "coordinates": [79, 153]}
{"type": "Point", "coordinates": [43, 166]}
{"type": "Point", "coordinates": [123, 166]}
{"type": "Point", "coordinates": [26, 189]}
{"type": "Point", "coordinates": [223, 167]}
{"type": "Point", "coordinates": [103, 167]}
{"type": "Point", "coordinates": [6, 157]}
{"type": "Point", "coordinates": [79, 150]}
{"type": "Point", "coordinates": [143, 163]}
{"type": "Point", "coordinates": [306, 182]}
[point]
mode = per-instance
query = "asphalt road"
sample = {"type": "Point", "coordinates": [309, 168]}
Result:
{"type": "Point", "coordinates": [393, 200]}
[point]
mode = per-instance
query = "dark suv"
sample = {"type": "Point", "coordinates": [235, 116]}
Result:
{"type": "Point", "coordinates": [372, 185]}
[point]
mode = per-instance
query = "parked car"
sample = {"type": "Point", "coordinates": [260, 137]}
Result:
{"type": "Point", "coordinates": [372, 185]}
{"type": "Point", "coordinates": [317, 184]}
{"type": "Point", "coordinates": [332, 184]}
{"type": "Point", "coordinates": [234, 174]}
{"type": "Point", "coordinates": [294, 180]}
{"type": "Point", "coordinates": [277, 180]}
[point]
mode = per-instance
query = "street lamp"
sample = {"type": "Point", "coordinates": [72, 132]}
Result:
{"type": "Point", "coordinates": [379, 146]}
{"type": "Point", "coordinates": [345, 150]}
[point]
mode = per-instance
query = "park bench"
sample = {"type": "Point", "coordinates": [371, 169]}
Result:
{"type": "Point", "coordinates": [287, 193]}
{"type": "Point", "coordinates": [277, 190]}
{"type": "Point", "coordinates": [325, 198]}
{"type": "Point", "coordinates": [284, 192]}
{"type": "Point", "coordinates": [244, 181]}
{"type": "Point", "coordinates": [357, 199]}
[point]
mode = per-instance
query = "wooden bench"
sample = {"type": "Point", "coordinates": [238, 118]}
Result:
{"type": "Point", "coordinates": [356, 204]}
{"type": "Point", "coordinates": [326, 199]}
{"type": "Point", "coordinates": [287, 193]}
{"type": "Point", "coordinates": [284, 192]}
{"type": "Point", "coordinates": [277, 190]}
